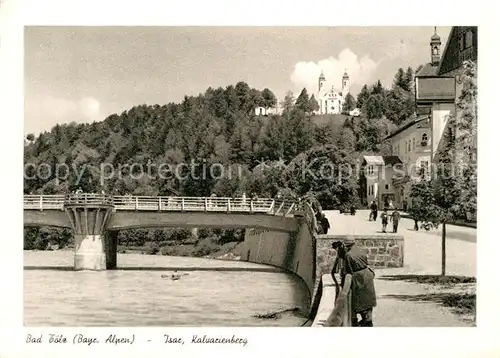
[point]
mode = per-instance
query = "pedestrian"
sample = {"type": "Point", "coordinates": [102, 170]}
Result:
{"type": "Point", "coordinates": [385, 219]}
{"type": "Point", "coordinates": [364, 298]}
{"type": "Point", "coordinates": [374, 209]}
{"type": "Point", "coordinates": [395, 216]}
{"type": "Point", "coordinates": [415, 227]}
{"type": "Point", "coordinates": [325, 224]}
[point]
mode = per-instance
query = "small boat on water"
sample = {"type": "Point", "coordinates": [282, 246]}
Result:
{"type": "Point", "coordinates": [174, 277]}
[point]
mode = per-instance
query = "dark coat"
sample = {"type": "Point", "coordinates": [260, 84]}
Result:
{"type": "Point", "coordinates": [325, 224]}
{"type": "Point", "coordinates": [363, 287]}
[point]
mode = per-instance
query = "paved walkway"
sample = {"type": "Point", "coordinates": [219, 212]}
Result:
{"type": "Point", "coordinates": [398, 301]}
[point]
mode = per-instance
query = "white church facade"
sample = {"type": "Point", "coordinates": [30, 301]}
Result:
{"type": "Point", "coordinates": [329, 100]}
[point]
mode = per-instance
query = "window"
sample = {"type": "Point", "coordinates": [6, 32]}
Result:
{"type": "Point", "coordinates": [435, 50]}
{"type": "Point", "coordinates": [466, 40]}
{"type": "Point", "coordinates": [386, 186]}
{"type": "Point", "coordinates": [424, 167]}
{"type": "Point", "coordinates": [409, 146]}
{"type": "Point", "coordinates": [413, 143]}
{"type": "Point", "coordinates": [424, 140]}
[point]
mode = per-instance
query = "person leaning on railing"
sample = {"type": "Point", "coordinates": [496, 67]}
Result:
{"type": "Point", "coordinates": [363, 294]}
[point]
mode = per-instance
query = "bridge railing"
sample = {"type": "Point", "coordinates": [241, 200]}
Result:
{"type": "Point", "coordinates": [167, 203]}
{"type": "Point", "coordinates": [206, 204]}
{"type": "Point", "coordinates": [41, 202]}
{"type": "Point", "coordinates": [90, 199]}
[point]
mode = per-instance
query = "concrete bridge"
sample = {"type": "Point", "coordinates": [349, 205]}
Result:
{"type": "Point", "coordinates": [278, 233]}
{"type": "Point", "coordinates": [91, 216]}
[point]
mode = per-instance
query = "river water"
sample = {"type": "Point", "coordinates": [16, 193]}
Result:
{"type": "Point", "coordinates": [210, 292]}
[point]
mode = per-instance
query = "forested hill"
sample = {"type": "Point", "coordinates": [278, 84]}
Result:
{"type": "Point", "coordinates": [219, 126]}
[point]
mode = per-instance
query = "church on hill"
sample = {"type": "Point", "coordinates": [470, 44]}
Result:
{"type": "Point", "coordinates": [329, 100]}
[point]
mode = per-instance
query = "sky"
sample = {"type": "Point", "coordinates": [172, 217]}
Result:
{"type": "Point", "coordinates": [84, 74]}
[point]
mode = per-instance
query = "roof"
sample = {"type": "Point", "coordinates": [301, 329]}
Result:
{"type": "Point", "coordinates": [392, 159]}
{"type": "Point", "coordinates": [409, 125]}
{"type": "Point", "coordinates": [450, 51]}
{"type": "Point", "coordinates": [374, 159]}
{"type": "Point", "coordinates": [382, 159]}
{"type": "Point", "coordinates": [427, 71]}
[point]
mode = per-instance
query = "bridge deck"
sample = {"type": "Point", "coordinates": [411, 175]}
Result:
{"type": "Point", "coordinates": [165, 203]}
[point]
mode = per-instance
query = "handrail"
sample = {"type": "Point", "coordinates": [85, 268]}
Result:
{"type": "Point", "coordinates": [167, 203]}
{"type": "Point", "coordinates": [341, 314]}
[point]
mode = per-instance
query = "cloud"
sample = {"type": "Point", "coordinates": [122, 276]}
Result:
{"type": "Point", "coordinates": [360, 70]}
{"type": "Point", "coordinates": [42, 112]}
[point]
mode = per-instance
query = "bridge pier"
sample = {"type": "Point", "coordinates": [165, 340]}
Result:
{"type": "Point", "coordinates": [88, 223]}
{"type": "Point", "coordinates": [111, 249]}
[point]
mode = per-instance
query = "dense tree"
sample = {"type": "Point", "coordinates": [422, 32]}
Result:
{"type": "Point", "coordinates": [362, 96]}
{"type": "Point", "coordinates": [374, 107]}
{"type": "Point", "coordinates": [313, 103]}
{"type": "Point", "coordinates": [269, 99]}
{"type": "Point", "coordinates": [302, 102]}
{"type": "Point", "coordinates": [349, 104]}
{"type": "Point", "coordinates": [288, 102]}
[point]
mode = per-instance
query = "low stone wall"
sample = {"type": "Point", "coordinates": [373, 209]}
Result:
{"type": "Point", "coordinates": [383, 251]}
{"type": "Point", "coordinates": [295, 252]}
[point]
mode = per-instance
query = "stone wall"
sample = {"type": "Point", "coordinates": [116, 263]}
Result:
{"type": "Point", "coordinates": [383, 251]}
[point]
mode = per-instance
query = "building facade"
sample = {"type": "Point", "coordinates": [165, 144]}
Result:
{"type": "Point", "coordinates": [411, 143]}
{"type": "Point", "coordinates": [437, 88]}
{"type": "Point", "coordinates": [376, 179]}
{"type": "Point", "coordinates": [329, 100]}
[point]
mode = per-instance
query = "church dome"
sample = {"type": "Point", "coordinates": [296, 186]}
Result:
{"type": "Point", "coordinates": [321, 76]}
{"type": "Point", "coordinates": [345, 75]}
{"type": "Point", "coordinates": [435, 39]}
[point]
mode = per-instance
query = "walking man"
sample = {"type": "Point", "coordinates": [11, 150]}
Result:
{"type": "Point", "coordinates": [395, 216]}
{"type": "Point", "coordinates": [374, 209]}
{"type": "Point", "coordinates": [364, 298]}
{"type": "Point", "coordinates": [385, 219]}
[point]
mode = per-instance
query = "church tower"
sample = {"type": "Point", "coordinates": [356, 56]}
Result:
{"type": "Point", "coordinates": [321, 81]}
{"type": "Point", "coordinates": [345, 84]}
{"type": "Point", "coordinates": [435, 48]}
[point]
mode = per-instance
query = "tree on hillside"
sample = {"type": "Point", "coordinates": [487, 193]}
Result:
{"type": "Point", "coordinates": [400, 79]}
{"type": "Point", "coordinates": [328, 175]}
{"type": "Point", "coordinates": [377, 88]}
{"type": "Point", "coordinates": [269, 99]}
{"type": "Point", "coordinates": [349, 104]}
{"type": "Point", "coordinates": [362, 96]}
{"type": "Point", "coordinates": [30, 137]}
{"type": "Point", "coordinates": [399, 105]}
{"type": "Point", "coordinates": [302, 102]}
{"type": "Point", "coordinates": [400, 100]}
{"type": "Point", "coordinates": [374, 107]}
{"type": "Point", "coordinates": [288, 101]}
{"type": "Point", "coordinates": [410, 80]}
{"type": "Point", "coordinates": [256, 99]}
{"type": "Point", "coordinates": [313, 104]}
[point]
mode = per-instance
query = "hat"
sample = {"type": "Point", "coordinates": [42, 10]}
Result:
{"type": "Point", "coordinates": [349, 241]}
